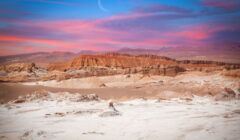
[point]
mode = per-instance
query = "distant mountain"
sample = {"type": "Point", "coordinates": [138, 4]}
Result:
{"type": "Point", "coordinates": [228, 54]}
{"type": "Point", "coordinates": [88, 52]}
{"type": "Point", "coordinates": [43, 57]}
{"type": "Point", "coordinates": [137, 51]}
{"type": "Point", "coordinates": [39, 57]}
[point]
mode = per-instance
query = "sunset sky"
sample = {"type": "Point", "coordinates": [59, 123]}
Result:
{"type": "Point", "coordinates": [103, 25]}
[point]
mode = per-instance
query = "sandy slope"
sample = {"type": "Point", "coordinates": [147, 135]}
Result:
{"type": "Point", "coordinates": [194, 79]}
{"type": "Point", "coordinates": [96, 82]}
{"type": "Point", "coordinates": [61, 117]}
{"type": "Point", "coordinates": [189, 113]}
{"type": "Point", "coordinates": [186, 84]}
{"type": "Point", "coordinates": [123, 87]}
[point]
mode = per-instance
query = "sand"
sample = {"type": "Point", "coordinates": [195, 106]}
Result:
{"type": "Point", "coordinates": [121, 87]}
{"type": "Point", "coordinates": [12, 91]}
{"type": "Point", "coordinates": [174, 119]}
{"type": "Point", "coordinates": [148, 107]}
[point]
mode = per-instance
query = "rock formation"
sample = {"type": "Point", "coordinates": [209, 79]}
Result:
{"type": "Point", "coordinates": [19, 67]}
{"type": "Point", "coordinates": [108, 64]}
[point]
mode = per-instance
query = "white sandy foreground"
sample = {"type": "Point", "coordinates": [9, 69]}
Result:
{"type": "Point", "coordinates": [61, 117]}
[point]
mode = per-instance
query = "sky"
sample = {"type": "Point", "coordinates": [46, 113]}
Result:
{"type": "Point", "coordinates": [106, 25]}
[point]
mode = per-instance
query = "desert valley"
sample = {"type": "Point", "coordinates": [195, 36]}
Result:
{"type": "Point", "coordinates": [119, 70]}
{"type": "Point", "coordinates": [109, 96]}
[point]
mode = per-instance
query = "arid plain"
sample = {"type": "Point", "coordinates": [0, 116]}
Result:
{"type": "Point", "coordinates": [118, 96]}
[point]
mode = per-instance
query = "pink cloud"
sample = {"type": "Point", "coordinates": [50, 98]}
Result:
{"type": "Point", "coordinates": [193, 32]}
{"type": "Point", "coordinates": [225, 4]}
{"type": "Point", "coordinates": [2, 52]}
{"type": "Point", "coordinates": [89, 35]}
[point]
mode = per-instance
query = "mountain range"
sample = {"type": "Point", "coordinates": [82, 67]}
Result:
{"type": "Point", "coordinates": [228, 54]}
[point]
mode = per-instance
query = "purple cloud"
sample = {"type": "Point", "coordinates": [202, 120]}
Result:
{"type": "Point", "coordinates": [61, 3]}
{"type": "Point", "coordinates": [155, 8]}
{"type": "Point", "coordinates": [229, 5]}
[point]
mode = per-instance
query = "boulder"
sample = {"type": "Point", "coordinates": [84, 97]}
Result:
{"type": "Point", "coordinates": [230, 92]}
{"type": "Point", "coordinates": [87, 98]}
{"type": "Point", "coordinates": [20, 67]}
{"type": "Point", "coordinates": [102, 85]}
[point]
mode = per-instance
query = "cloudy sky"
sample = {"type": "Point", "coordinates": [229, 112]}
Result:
{"type": "Point", "coordinates": [105, 25]}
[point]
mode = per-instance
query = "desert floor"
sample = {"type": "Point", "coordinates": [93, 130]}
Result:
{"type": "Point", "coordinates": [60, 117]}
{"type": "Point", "coordinates": [148, 107]}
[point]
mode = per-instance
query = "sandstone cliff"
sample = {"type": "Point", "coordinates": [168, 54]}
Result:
{"type": "Point", "coordinates": [134, 63]}
{"type": "Point", "coordinates": [108, 64]}
{"type": "Point", "coordinates": [19, 67]}
{"type": "Point", "coordinates": [112, 60]}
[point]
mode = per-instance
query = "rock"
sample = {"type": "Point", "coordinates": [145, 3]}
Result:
{"type": "Point", "coordinates": [110, 64]}
{"type": "Point", "coordinates": [37, 95]}
{"type": "Point", "coordinates": [228, 116]}
{"type": "Point", "coordinates": [60, 114]}
{"type": "Point", "coordinates": [57, 66]}
{"type": "Point", "coordinates": [110, 114]}
{"type": "Point", "coordinates": [186, 99]}
{"type": "Point", "coordinates": [210, 93]}
{"type": "Point", "coordinates": [93, 133]}
{"type": "Point", "coordinates": [128, 62]}
{"type": "Point", "coordinates": [32, 134]}
{"type": "Point", "coordinates": [162, 99]}
{"type": "Point", "coordinates": [47, 114]}
{"type": "Point", "coordinates": [235, 73]}
{"type": "Point", "coordinates": [3, 73]}
{"type": "Point", "coordinates": [40, 133]}
{"type": "Point", "coordinates": [87, 98]}
{"type": "Point", "coordinates": [27, 133]}
{"type": "Point", "coordinates": [102, 85]}
{"type": "Point", "coordinates": [237, 111]}
{"type": "Point", "coordinates": [230, 92]}
{"type": "Point", "coordinates": [3, 137]}
{"type": "Point", "coordinates": [18, 101]}
{"type": "Point", "coordinates": [19, 67]}
{"type": "Point", "coordinates": [173, 70]}
{"type": "Point", "coordinates": [111, 106]}
{"type": "Point", "coordinates": [89, 111]}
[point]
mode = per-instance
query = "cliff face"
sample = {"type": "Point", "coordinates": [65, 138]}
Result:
{"type": "Point", "coordinates": [19, 67]}
{"type": "Point", "coordinates": [116, 60]}
{"type": "Point", "coordinates": [112, 60]}
{"type": "Point", "coordinates": [108, 64]}
{"type": "Point", "coordinates": [140, 61]}
{"type": "Point", "coordinates": [111, 64]}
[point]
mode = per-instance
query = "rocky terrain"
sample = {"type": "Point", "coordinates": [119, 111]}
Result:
{"type": "Point", "coordinates": [107, 64]}
{"type": "Point", "coordinates": [133, 61]}
{"type": "Point", "coordinates": [54, 116]}
{"type": "Point", "coordinates": [228, 53]}
{"type": "Point", "coordinates": [19, 67]}
{"type": "Point", "coordinates": [118, 96]}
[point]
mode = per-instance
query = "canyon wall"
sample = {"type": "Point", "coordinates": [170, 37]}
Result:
{"type": "Point", "coordinates": [108, 64]}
